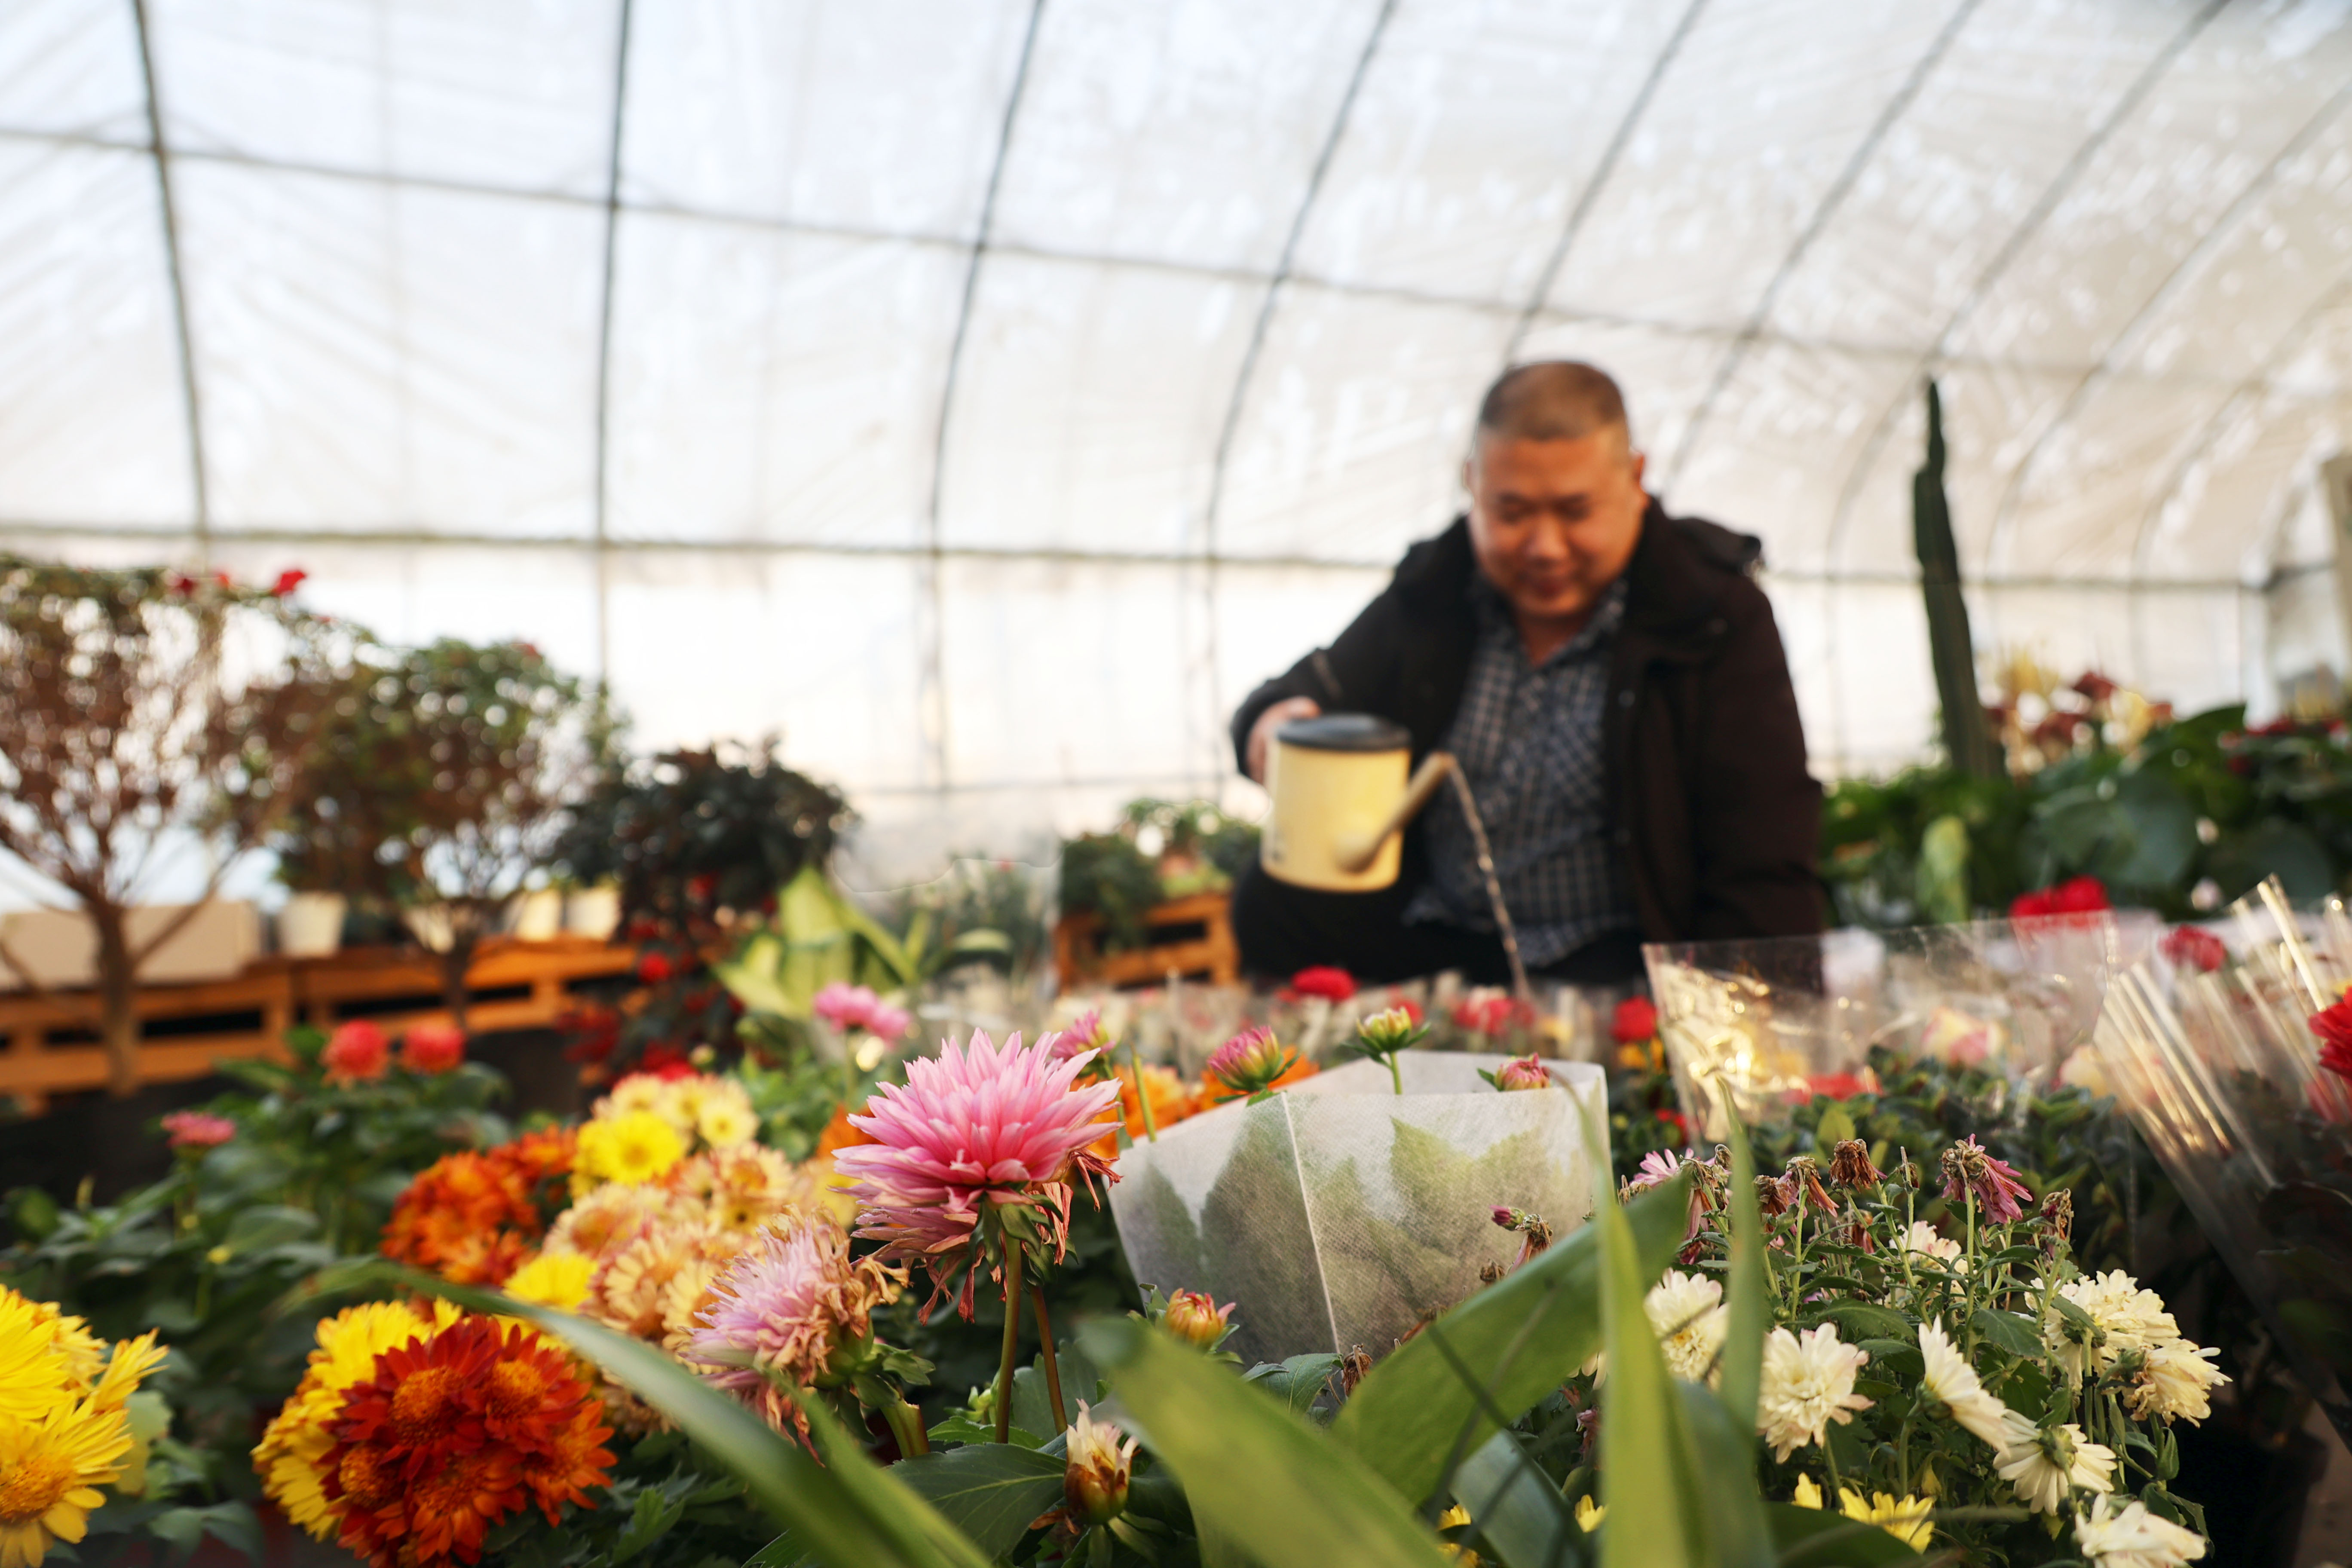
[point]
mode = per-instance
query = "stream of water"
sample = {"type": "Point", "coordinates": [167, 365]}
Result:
{"type": "Point", "coordinates": [1519, 986]}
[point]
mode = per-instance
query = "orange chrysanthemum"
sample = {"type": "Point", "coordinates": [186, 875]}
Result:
{"type": "Point", "coordinates": [475, 1218]}
{"type": "Point", "coordinates": [453, 1434]}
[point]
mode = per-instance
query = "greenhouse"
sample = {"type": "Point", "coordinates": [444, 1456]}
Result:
{"type": "Point", "coordinates": [1032, 782]}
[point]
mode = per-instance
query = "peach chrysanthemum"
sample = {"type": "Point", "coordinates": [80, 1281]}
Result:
{"type": "Point", "coordinates": [976, 1125]}
{"type": "Point", "coordinates": [784, 1312]}
{"type": "Point", "coordinates": [455, 1432]}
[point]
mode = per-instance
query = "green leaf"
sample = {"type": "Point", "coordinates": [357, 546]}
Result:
{"type": "Point", "coordinates": [1810, 1537]}
{"type": "Point", "coordinates": [1517, 1508]}
{"type": "Point", "coordinates": [1752, 1314]}
{"type": "Point", "coordinates": [1834, 1128]}
{"type": "Point", "coordinates": [1859, 1320]}
{"type": "Point", "coordinates": [2018, 1336]}
{"type": "Point", "coordinates": [1251, 1472]}
{"type": "Point", "coordinates": [268, 1225]}
{"type": "Point", "coordinates": [651, 1520]}
{"type": "Point", "coordinates": [1298, 1381]}
{"type": "Point", "coordinates": [1521, 1338]}
{"type": "Point", "coordinates": [990, 1492]}
{"type": "Point", "coordinates": [846, 1512]}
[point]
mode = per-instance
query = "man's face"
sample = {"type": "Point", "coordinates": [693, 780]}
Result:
{"type": "Point", "coordinates": [1554, 522]}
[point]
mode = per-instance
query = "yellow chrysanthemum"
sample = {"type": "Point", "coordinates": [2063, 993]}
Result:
{"type": "Point", "coordinates": [35, 1372]}
{"type": "Point", "coordinates": [132, 1360]}
{"type": "Point", "coordinates": [83, 1351]}
{"type": "Point", "coordinates": [725, 1123]}
{"type": "Point", "coordinates": [1905, 1519]}
{"type": "Point", "coordinates": [635, 1147]}
{"type": "Point", "coordinates": [290, 1452]}
{"type": "Point", "coordinates": [558, 1280]}
{"type": "Point", "coordinates": [50, 1470]}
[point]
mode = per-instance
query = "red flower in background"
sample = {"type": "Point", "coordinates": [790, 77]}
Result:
{"type": "Point", "coordinates": [2076, 895]}
{"type": "Point", "coordinates": [433, 1047]}
{"type": "Point", "coordinates": [1839, 1085]}
{"type": "Point", "coordinates": [198, 1130]}
{"type": "Point", "coordinates": [2334, 1028]}
{"type": "Point", "coordinates": [356, 1053]}
{"type": "Point", "coordinates": [652, 969]}
{"type": "Point", "coordinates": [665, 1061]}
{"type": "Point", "coordinates": [1324, 980]}
{"type": "Point", "coordinates": [288, 580]}
{"type": "Point", "coordinates": [2193, 947]}
{"type": "Point", "coordinates": [1636, 1021]}
{"type": "Point", "coordinates": [1495, 1017]}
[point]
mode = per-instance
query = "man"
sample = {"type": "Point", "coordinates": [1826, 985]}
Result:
{"type": "Point", "coordinates": [1612, 683]}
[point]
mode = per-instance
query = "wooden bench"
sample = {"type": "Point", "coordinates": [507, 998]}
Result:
{"type": "Point", "coordinates": [1191, 937]}
{"type": "Point", "coordinates": [512, 985]}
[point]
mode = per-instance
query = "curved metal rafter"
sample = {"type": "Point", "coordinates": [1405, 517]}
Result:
{"type": "Point", "coordinates": [1601, 172]}
{"type": "Point", "coordinates": [600, 497]}
{"type": "Point", "coordinates": [931, 704]}
{"type": "Point", "coordinates": [2041, 213]}
{"type": "Point", "coordinates": [162, 152]}
{"type": "Point", "coordinates": [1831, 201]}
{"type": "Point", "coordinates": [1282, 274]}
{"type": "Point", "coordinates": [2004, 521]}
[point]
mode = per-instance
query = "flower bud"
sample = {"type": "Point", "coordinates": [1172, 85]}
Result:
{"type": "Point", "coordinates": [1523, 1072]}
{"type": "Point", "coordinates": [1094, 1482]}
{"type": "Point", "coordinates": [1385, 1032]}
{"type": "Point", "coordinates": [1196, 1320]}
{"type": "Point", "coordinates": [1251, 1062]}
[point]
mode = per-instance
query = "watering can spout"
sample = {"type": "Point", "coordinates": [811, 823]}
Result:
{"type": "Point", "coordinates": [1341, 801]}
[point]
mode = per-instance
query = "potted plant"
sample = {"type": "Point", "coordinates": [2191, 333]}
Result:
{"type": "Point", "coordinates": [139, 709]}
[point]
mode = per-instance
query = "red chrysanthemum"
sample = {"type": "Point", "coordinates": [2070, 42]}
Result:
{"type": "Point", "coordinates": [1636, 1021]}
{"type": "Point", "coordinates": [1324, 980]}
{"type": "Point", "coordinates": [2193, 947]}
{"type": "Point", "coordinates": [433, 1049]}
{"type": "Point", "coordinates": [455, 1432]}
{"type": "Point", "coordinates": [2334, 1028]}
{"type": "Point", "coordinates": [356, 1053]}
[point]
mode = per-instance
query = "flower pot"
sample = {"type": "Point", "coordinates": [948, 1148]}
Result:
{"type": "Point", "coordinates": [593, 912]}
{"type": "Point", "coordinates": [431, 926]}
{"type": "Point", "coordinates": [311, 925]}
{"type": "Point", "coordinates": [535, 916]}
{"type": "Point", "coordinates": [1338, 1214]}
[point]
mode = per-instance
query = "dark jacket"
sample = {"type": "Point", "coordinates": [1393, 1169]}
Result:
{"type": "Point", "coordinates": [1705, 751]}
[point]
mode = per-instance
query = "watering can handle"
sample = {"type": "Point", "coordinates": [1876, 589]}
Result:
{"type": "Point", "coordinates": [1426, 780]}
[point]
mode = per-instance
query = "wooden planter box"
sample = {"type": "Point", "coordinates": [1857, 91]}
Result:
{"type": "Point", "coordinates": [1190, 937]}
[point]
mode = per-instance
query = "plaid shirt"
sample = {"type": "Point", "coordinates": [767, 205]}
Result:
{"type": "Point", "coordinates": [1528, 739]}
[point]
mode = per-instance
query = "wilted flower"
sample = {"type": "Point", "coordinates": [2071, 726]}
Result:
{"type": "Point", "coordinates": [198, 1130]}
{"type": "Point", "coordinates": [1094, 1482]}
{"type": "Point", "coordinates": [2176, 1379]}
{"type": "Point", "coordinates": [1850, 1165]}
{"type": "Point", "coordinates": [2057, 1215]}
{"type": "Point", "coordinates": [2046, 1463]}
{"type": "Point", "coordinates": [1250, 1062]}
{"type": "Point", "coordinates": [1662, 1165]}
{"type": "Point", "coordinates": [355, 1053]}
{"type": "Point", "coordinates": [433, 1047]}
{"type": "Point", "coordinates": [1808, 1383]}
{"type": "Point", "coordinates": [976, 1124]}
{"type": "Point", "coordinates": [1536, 1234]}
{"type": "Point", "coordinates": [1687, 1312]}
{"type": "Point", "coordinates": [1523, 1072]}
{"type": "Point", "coordinates": [2131, 1537]}
{"type": "Point", "coordinates": [1195, 1319]}
{"type": "Point", "coordinates": [1968, 1168]}
{"type": "Point", "coordinates": [1775, 1195]}
{"type": "Point", "coordinates": [1804, 1179]}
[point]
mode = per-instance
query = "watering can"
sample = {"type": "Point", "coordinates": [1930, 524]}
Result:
{"type": "Point", "coordinates": [1341, 799]}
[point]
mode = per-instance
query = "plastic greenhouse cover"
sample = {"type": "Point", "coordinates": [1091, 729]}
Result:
{"type": "Point", "coordinates": [984, 395]}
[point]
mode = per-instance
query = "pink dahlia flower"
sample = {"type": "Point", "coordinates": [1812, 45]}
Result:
{"type": "Point", "coordinates": [844, 1006]}
{"type": "Point", "coordinates": [1523, 1072]}
{"type": "Point", "coordinates": [198, 1130]}
{"type": "Point", "coordinates": [794, 1309]}
{"type": "Point", "coordinates": [980, 1124]}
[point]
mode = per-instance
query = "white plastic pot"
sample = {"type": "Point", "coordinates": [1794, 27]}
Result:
{"type": "Point", "coordinates": [593, 912]}
{"type": "Point", "coordinates": [311, 925]}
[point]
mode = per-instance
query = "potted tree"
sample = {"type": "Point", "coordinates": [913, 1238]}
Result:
{"type": "Point", "coordinates": [142, 711]}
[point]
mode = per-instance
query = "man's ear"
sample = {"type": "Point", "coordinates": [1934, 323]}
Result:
{"type": "Point", "coordinates": [1637, 461]}
{"type": "Point", "coordinates": [1469, 472]}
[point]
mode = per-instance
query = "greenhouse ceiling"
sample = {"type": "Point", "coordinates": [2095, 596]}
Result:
{"type": "Point", "coordinates": [985, 394]}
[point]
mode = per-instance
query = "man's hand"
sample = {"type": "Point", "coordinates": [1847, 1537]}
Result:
{"type": "Point", "coordinates": [1261, 733]}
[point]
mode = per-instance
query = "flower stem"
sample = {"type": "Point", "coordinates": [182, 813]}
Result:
{"type": "Point", "coordinates": [1151, 1132]}
{"type": "Point", "coordinates": [906, 1424]}
{"type": "Point", "coordinates": [1052, 1366]}
{"type": "Point", "coordinates": [1011, 1339]}
{"type": "Point", "coordinates": [1395, 1077]}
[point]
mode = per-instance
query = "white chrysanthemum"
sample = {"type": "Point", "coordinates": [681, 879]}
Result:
{"type": "Point", "coordinates": [1808, 1383]}
{"type": "Point", "coordinates": [2176, 1381]}
{"type": "Point", "coordinates": [2131, 1537]}
{"type": "Point", "coordinates": [2046, 1463]}
{"type": "Point", "coordinates": [1923, 1240]}
{"type": "Point", "coordinates": [1687, 1311]}
{"type": "Point", "coordinates": [1951, 1379]}
{"type": "Point", "coordinates": [725, 1123]}
{"type": "Point", "coordinates": [2129, 1318]}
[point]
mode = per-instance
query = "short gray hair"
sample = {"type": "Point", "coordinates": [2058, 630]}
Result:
{"type": "Point", "coordinates": [1553, 400]}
